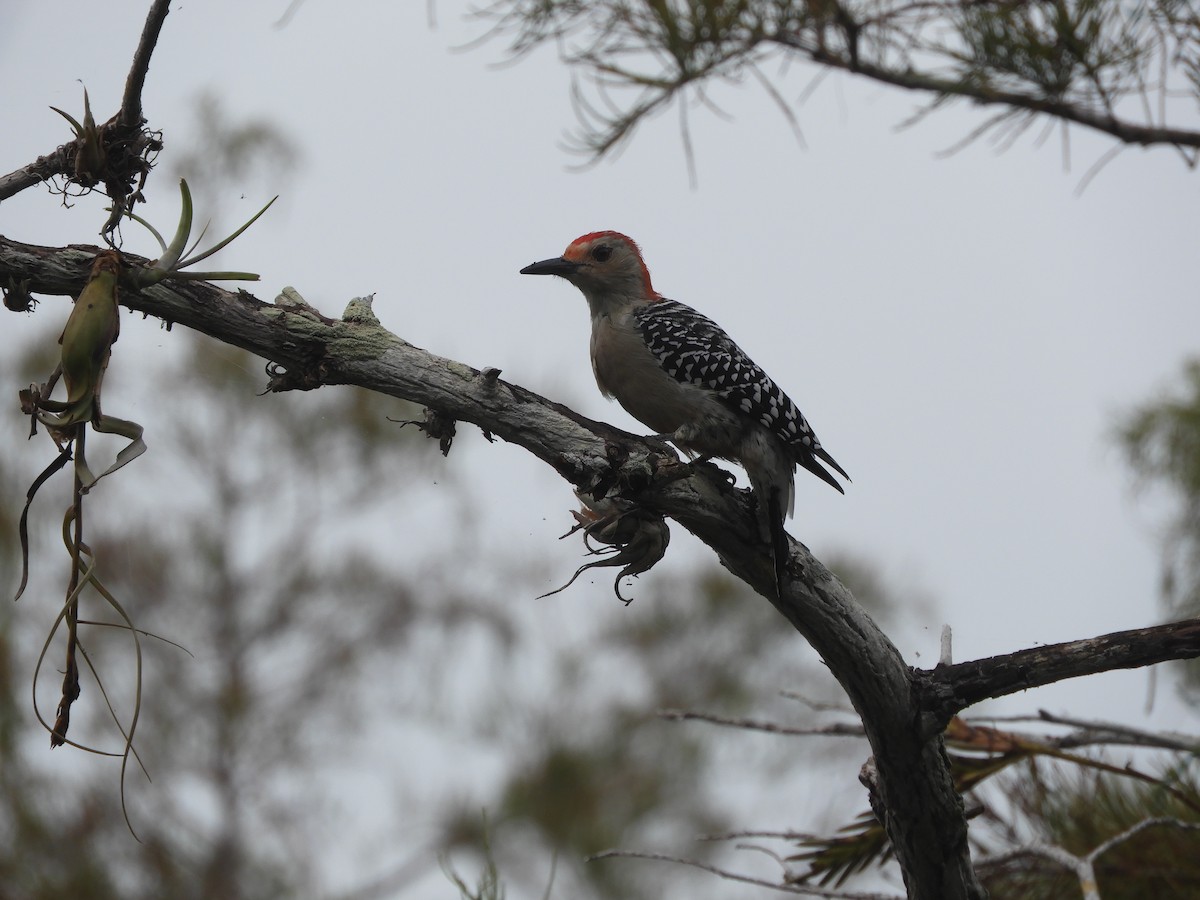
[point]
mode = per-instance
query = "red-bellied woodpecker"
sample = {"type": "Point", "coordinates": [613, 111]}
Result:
{"type": "Point", "coordinates": [677, 372]}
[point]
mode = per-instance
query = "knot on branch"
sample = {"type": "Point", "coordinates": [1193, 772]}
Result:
{"type": "Point", "coordinates": [290, 300]}
{"type": "Point", "coordinates": [17, 297]}
{"type": "Point", "coordinates": [358, 311]}
{"type": "Point", "coordinates": [302, 378]}
{"type": "Point", "coordinates": [490, 376]}
{"type": "Point", "coordinates": [937, 701]}
{"type": "Point", "coordinates": [437, 425]}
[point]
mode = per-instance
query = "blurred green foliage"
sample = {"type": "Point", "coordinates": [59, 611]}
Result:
{"type": "Point", "coordinates": [1161, 442]}
{"type": "Point", "coordinates": [1078, 811]}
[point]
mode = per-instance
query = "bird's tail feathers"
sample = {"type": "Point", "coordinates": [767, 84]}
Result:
{"type": "Point", "coordinates": [780, 548]}
{"type": "Point", "coordinates": [809, 461]}
{"type": "Point", "coordinates": [823, 454]}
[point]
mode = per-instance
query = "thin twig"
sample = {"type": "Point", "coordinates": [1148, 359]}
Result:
{"type": "Point", "coordinates": [835, 730]}
{"type": "Point", "coordinates": [817, 705]}
{"type": "Point", "coordinates": [1102, 732]}
{"type": "Point", "coordinates": [801, 890]}
{"type": "Point", "coordinates": [1036, 848]}
{"type": "Point", "coordinates": [775, 835]}
{"type": "Point", "coordinates": [1157, 822]}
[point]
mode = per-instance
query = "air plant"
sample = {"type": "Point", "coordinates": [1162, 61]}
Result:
{"type": "Point", "coordinates": [170, 264]}
{"type": "Point", "coordinates": [90, 156]}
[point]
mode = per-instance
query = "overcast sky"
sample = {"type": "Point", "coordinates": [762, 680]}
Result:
{"type": "Point", "coordinates": [961, 332]}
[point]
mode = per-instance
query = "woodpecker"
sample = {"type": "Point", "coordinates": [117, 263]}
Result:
{"type": "Point", "coordinates": [678, 372]}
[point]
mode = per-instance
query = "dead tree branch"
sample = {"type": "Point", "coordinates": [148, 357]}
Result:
{"type": "Point", "coordinates": [949, 689]}
{"type": "Point", "coordinates": [56, 162]}
{"type": "Point", "coordinates": [130, 114]}
{"type": "Point", "coordinates": [900, 707]}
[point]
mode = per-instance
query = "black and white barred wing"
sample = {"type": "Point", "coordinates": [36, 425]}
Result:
{"type": "Point", "coordinates": [694, 349]}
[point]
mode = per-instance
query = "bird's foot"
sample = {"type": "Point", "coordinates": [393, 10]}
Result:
{"type": "Point", "coordinates": [665, 441]}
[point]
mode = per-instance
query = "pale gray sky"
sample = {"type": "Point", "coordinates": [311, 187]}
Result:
{"type": "Point", "coordinates": [961, 332]}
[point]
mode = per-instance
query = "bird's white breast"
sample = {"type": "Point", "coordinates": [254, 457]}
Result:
{"type": "Point", "coordinates": [626, 371]}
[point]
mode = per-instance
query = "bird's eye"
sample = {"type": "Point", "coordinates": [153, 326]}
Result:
{"type": "Point", "coordinates": [602, 253]}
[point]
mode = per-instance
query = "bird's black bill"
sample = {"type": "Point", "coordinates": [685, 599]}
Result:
{"type": "Point", "coordinates": [556, 266]}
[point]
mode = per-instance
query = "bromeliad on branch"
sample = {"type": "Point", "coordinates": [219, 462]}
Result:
{"type": "Point", "coordinates": [170, 263]}
{"type": "Point", "coordinates": [90, 156]}
{"type": "Point", "coordinates": [87, 340]}
{"type": "Point", "coordinates": [92, 329]}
